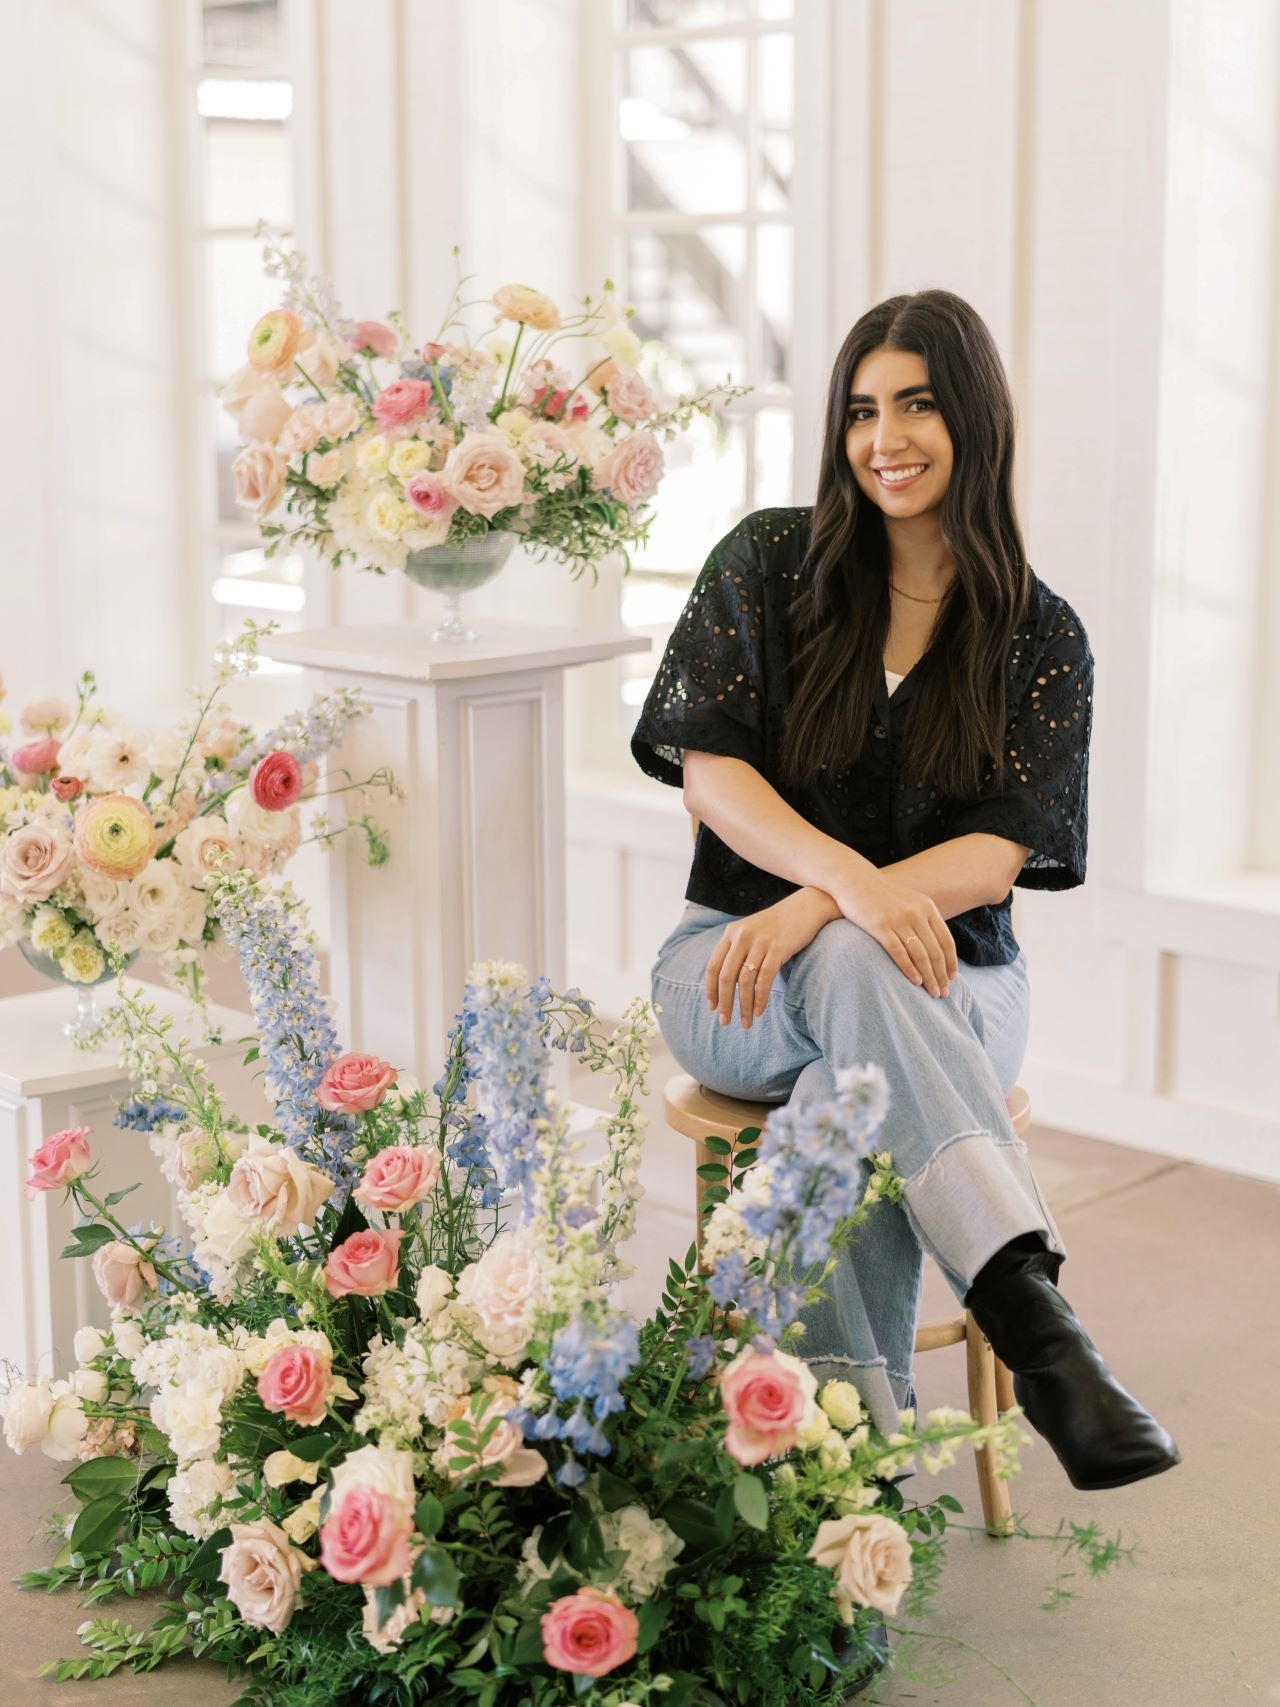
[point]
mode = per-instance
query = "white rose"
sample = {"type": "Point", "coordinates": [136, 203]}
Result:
{"type": "Point", "coordinates": [67, 1425]}
{"type": "Point", "coordinates": [225, 1232]}
{"type": "Point", "coordinates": [281, 1468]}
{"type": "Point", "coordinates": [193, 1489]}
{"type": "Point", "coordinates": [128, 1337]}
{"type": "Point", "coordinates": [26, 1415]}
{"type": "Point", "coordinates": [434, 1287]}
{"type": "Point", "coordinates": [88, 1344]}
{"type": "Point", "coordinates": [89, 1384]}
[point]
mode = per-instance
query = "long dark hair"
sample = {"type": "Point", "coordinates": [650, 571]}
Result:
{"type": "Point", "coordinates": [840, 613]}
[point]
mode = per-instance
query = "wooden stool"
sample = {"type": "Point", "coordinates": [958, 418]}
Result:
{"type": "Point", "coordinates": [700, 1114]}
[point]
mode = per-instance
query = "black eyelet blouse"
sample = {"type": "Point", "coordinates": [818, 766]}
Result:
{"type": "Point", "coordinates": [722, 687]}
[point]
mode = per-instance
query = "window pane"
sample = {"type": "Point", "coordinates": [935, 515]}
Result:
{"type": "Point", "coordinates": [773, 301]}
{"type": "Point", "coordinates": [242, 34]}
{"type": "Point", "coordinates": [654, 14]}
{"type": "Point", "coordinates": [775, 433]}
{"type": "Point", "coordinates": [686, 288]}
{"type": "Point", "coordinates": [682, 124]}
{"type": "Point", "coordinates": [237, 291]}
{"type": "Point", "coordinates": [775, 8]}
{"type": "Point", "coordinates": [703, 493]}
{"type": "Point", "coordinates": [652, 603]}
{"type": "Point", "coordinates": [247, 173]}
{"type": "Point", "coordinates": [775, 95]}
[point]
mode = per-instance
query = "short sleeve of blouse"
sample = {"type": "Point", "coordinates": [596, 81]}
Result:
{"type": "Point", "coordinates": [1044, 803]}
{"type": "Point", "coordinates": [708, 693]}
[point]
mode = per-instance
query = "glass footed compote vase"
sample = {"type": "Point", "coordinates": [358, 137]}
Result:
{"type": "Point", "coordinates": [84, 1021]}
{"type": "Point", "coordinates": [457, 569]}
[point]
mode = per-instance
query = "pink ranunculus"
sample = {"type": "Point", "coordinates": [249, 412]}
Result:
{"type": "Point", "coordinates": [432, 352]}
{"type": "Point", "coordinates": [430, 496]}
{"type": "Point", "coordinates": [59, 1160]}
{"type": "Point", "coordinates": [35, 757]}
{"type": "Point", "coordinates": [396, 1178]}
{"type": "Point", "coordinates": [123, 1274]}
{"type": "Point", "coordinates": [365, 1539]}
{"type": "Point", "coordinates": [264, 415]}
{"type": "Point", "coordinates": [766, 1403]}
{"type": "Point", "coordinates": [66, 787]}
{"type": "Point", "coordinates": [259, 471]}
{"type": "Point", "coordinates": [402, 401]}
{"type": "Point", "coordinates": [590, 1632]}
{"type": "Point", "coordinates": [276, 781]}
{"type": "Point", "coordinates": [355, 1083]}
{"type": "Point", "coordinates": [372, 338]}
{"type": "Point", "coordinates": [630, 398]}
{"type": "Point", "coordinates": [367, 1263]}
{"type": "Point", "coordinates": [632, 470]}
{"type": "Point", "coordinates": [297, 1381]}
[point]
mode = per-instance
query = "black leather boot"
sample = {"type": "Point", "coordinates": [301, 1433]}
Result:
{"type": "Point", "coordinates": [1102, 1436]}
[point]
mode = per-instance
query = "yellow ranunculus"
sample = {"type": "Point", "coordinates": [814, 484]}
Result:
{"type": "Point", "coordinates": [275, 340]}
{"type": "Point", "coordinates": [372, 454]}
{"type": "Point", "coordinates": [387, 515]}
{"type": "Point", "coordinates": [515, 423]}
{"type": "Point", "coordinates": [410, 456]}
{"type": "Point", "coordinates": [114, 835]}
{"type": "Point", "coordinates": [82, 960]}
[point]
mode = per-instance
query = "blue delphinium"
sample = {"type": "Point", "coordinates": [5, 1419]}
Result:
{"type": "Point", "coordinates": [508, 1063]}
{"type": "Point", "coordinates": [308, 735]}
{"type": "Point", "coordinates": [590, 1358]}
{"type": "Point", "coordinates": [136, 1114]}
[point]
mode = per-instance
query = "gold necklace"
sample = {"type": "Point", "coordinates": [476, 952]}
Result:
{"type": "Point", "coordinates": [915, 597]}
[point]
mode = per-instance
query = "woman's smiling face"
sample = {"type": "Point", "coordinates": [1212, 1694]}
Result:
{"type": "Point", "coordinates": [894, 423]}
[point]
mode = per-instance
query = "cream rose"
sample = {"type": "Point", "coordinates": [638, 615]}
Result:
{"type": "Point", "coordinates": [199, 849]}
{"type": "Point", "coordinates": [870, 1556]}
{"type": "Point", "coordinates": [259, 473]}
{"type": "Point", "coordinates": [484, 474]}
{"type": "Point", "coordinates": [264, 415]}
{"type": "Point", "coordinates": [36, 858]}
{"type": "Point", "coordinates": [501, 1288]}
{"type": "Point", "coordinates": [632, 470]}
{"type": "Point", "coordinates": [273, 1186]}
{"type": "Point", "coordinates": [262, 1570]}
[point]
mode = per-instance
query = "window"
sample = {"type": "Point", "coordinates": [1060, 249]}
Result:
{"type": "Point", "coordinates": [701, 243]}
{"type": "Point", "coordinates": [243, 104]}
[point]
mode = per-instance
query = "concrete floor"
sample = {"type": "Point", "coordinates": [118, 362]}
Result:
{"type": "Point", "coordinates": [1175, 1270]}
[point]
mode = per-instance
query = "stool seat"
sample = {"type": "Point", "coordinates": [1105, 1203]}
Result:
{"type": "Point", "coordinates": [698, 1113]}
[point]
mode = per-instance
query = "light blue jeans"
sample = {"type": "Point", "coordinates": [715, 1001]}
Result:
{"type": "Point", "coordinates": [949, 1061]}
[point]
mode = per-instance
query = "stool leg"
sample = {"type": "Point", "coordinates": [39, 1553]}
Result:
{"type": "Point", "coordinates": [1005, 1400]}
{"type": "Point", "coordinates": [997, 1512]}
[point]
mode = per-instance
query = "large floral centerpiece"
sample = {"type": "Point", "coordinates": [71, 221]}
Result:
{"type": "Point", "coordinates": [379, 446]}
{"type": "Point", "coordinates": [110, 836]}
{"type": "Point", "coordinates": [381, 1427]}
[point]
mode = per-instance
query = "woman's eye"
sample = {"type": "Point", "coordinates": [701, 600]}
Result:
{"type": "Point", "coordinates": [860, 409]}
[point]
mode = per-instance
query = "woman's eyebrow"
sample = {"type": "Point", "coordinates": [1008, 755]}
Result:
{"type": "Point", "coordinates": [907, 391]}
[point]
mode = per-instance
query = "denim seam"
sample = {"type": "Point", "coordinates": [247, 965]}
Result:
{"type": "Point", "coordinates": [848, 1362]}
{"type": "Point", "coordinates": [956, 1137]}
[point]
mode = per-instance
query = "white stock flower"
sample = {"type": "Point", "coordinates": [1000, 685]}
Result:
{"type": "Point", "coordinates": [191, 1417]}
{"type": "Point", "coordinates": [193, 1490]}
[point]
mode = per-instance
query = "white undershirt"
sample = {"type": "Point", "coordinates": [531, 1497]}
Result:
{"type": "Point", "coordinates": [891, 681]}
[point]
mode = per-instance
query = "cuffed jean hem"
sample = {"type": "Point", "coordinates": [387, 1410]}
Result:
{"type": "Point", "coordinates": [965, 1202]}
{"type": "Point", "coordinates": [882, 1392]}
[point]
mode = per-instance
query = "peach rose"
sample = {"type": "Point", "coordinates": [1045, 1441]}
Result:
{"type": "Point", "coordinates": [401, 402]}
{"type": "Point", "coordinates": [262, 1570]}
{"type": "Point", "coordinates": [123, 1274]}
{"type": "Point", "coordinates": [365, 1539]}
{"type": "Point", "coordinates": [530, 307]}
{"type": "Point", "coordinates": [630, 398]}
{"type": "Point", "coordinates": [372, 338]}
{"type": "Point", "coordinates": [272, 1185]}
{"type": "Point", "coordinates": [632, 470]}
{"type": "Point", "coordinates": [339, 418]}
{"type": "Point", "coordinates": [767, 1397]}
{"type": "Point", "coordinates": [275, 340]}
{"type": "Point", "coordinates": [35, 859]}
{"type": "Point", "coordinates": [297, 1382]}
{"type": "Point", "coordinates": [590, 1632]}
{"type": "Point", "coordinates": [355, 1083]}
{"type": "Point", "coordinates": [397, 1178]}
{"type": "Point", "coordinates": [265, 414]}
{"type": "Point", "coordinates": [60, 1159]}
{"type": "Point", "coordinates": [367, 1263]}
{"type": "Point", "coordinates": [521, 1465]}
{"type": "Point", "coordinates": [484, 474]}
{"type": "Point", "coordinates": [319, 359]}
{"type": "Point", "coordinates": [326, 470]}
{"type": "Point", "coordinates": [601, 375]}
{"type": "Point", "coordinates": [276, 781]}
{"type": "Point", "coordinates": [871, 1557]}
{"type": "Point", "coordinates": [259, 472]}
{"type": "Point", "coordinates": [301, 431]}
{"type": "Point", "coordinates": [200, 846]}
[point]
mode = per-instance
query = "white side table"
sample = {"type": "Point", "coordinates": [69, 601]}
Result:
{"type": "Point", "coordinates": [46, 1085]}
{"type": "Point", "coordinates": [475, 733]}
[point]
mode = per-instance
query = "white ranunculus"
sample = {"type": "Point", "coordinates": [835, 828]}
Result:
{"type": "Point", "coordinates": [117, 760]}
{"type": "Point", "coordinates": [88, 1344]}
{"type": "Point", "coordinates": [193, 1490]}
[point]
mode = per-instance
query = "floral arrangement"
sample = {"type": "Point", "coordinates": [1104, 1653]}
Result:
{"type": "Point", "coordinates": [110, 838]}
{"type": "Point", "coordinates": [384, 1432]}
{"type": "Point", "coordinates": [379, 446]}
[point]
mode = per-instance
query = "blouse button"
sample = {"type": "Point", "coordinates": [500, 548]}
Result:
{"type": "Point", "coordinates": [878, 731]}
{"type": "Point", "coordinates": [870, 811]}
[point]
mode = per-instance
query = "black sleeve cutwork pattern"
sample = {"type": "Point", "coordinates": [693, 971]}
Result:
{"type": "Point", "coordinates": [708, 693]}
{"type": "Point", "coordinates": [1044, 802]}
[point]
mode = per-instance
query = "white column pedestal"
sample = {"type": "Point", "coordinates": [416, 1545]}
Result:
{"type": "Point", "coordinates": [475, 734]}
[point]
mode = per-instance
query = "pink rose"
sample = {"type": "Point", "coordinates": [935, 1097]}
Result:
{"type": "Point", "coordinates": [630, 398]}
{"type": "Point", "coordinates": [59, 1160]}
{"type": "Point", "coordinates": [590, 1632]}
{"type": "Point", "coordinates": [766, 1403]}
{"type": "Point", "coordinates": [123, 1274]}
{"type": "Point", "coordinates": [367, 1263]}
{"type": "Point", "coordinates": [262, 1570]}
{"type": "Point", "coordinates": [276, 781]}
{"type": "Point", "coordinates": [66, 787]}
{"type": "Point", "coordinates": [396, 1178]}
{"type": "Point", "coordinates": [365, 1539]}
{"type": "Point", "coordinates": [431, 352]}
{"type": "Point", "coordinates": [484, 474]}
{"type": "Point", "coordinates": [402, 401]}
{"type": "Point", "coordinates": [264, 415]}
{"type": "Point", "coordinates": [339, 418]}
{"type": "Point", "coordinates": [355, 1083]}
{"type": "Point", "coordinates": [35, 757]}
{"type": "Point", "coordinates": [259, 472]}
{"type": "Point", "coordinates": [632, 470]}
{"type": "Point", "coordinates": [430, 496]}
{"type": "Point", "coordinates": [297, 1382]}
{"type": "Point", "coordinates": [372, 338]}
{"type": "Point", "coordinates": [36, 858]}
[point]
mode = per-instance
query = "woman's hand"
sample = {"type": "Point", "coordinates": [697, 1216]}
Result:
{"type": "Point", "coordinates": [904, 921]}
{"type": "Point", "coordinates": [751, 949]}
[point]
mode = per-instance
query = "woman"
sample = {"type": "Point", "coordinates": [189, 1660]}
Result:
{"type": "Point", "coordinates": [880, 717]}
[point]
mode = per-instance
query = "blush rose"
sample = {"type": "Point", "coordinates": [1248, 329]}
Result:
{"type": "Point", "coordinates": [365, 1539]}
{"type": "Point", "coordinates": [590, 1632]}
{"type": "Point", "coordinates": [367, 1263]}
{"type": "Point", "coordinates": [398, 1177]}
{"type": "Point", "coordinates": [123, 1274]}
{"type": "Point", "coordinates": [632, 470]}
{"type": "Point", "coordinates": [297, 1382]}
{"type": "Point", "coordinates": [60, 1159]}
{"type": "Point", "coordinates": [355, 1083]}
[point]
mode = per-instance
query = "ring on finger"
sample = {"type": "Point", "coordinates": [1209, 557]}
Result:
{"type": "Point", "coordinates": [750, 966]}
